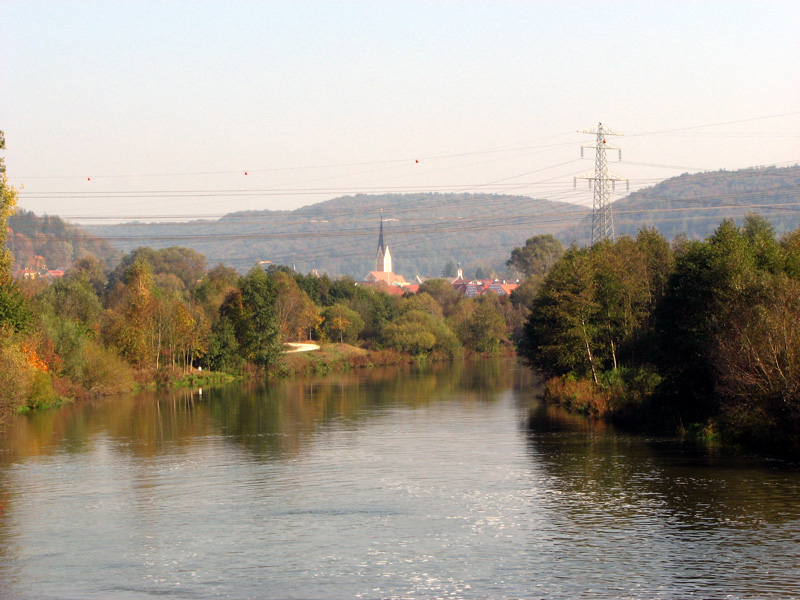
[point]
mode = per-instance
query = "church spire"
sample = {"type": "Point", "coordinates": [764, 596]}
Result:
{"type": "Point", "coordinates": [381, 246]}
{"type": "Point", "coordinates": [383, 260]}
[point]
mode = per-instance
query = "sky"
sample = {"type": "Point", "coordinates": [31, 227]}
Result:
{"type": "Point", "coordinates": [182, 110]}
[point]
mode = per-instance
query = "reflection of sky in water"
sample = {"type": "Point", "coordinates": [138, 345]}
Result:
{"type": "Point", "coordinates": [353, 487]}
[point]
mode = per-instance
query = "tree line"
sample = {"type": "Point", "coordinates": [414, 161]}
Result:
{"type": "Point", "coordinates": [162, 313]}
{"type": "Point", "coordinates": [701, 335]}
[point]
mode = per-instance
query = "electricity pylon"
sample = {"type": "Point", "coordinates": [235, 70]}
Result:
{"type": "Point", "coordinates": [602, 219]}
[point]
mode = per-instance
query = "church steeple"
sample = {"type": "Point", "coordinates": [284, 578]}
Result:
{"type": "Point", "coordinates": [381, 247]}
{"type": "Point", "coordinates": [383, 260]}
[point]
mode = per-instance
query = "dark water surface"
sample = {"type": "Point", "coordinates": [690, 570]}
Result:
{"type": "Point", "coordinates": [446, 482]}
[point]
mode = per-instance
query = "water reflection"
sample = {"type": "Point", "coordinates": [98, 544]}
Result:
{"type": "Point", "coordinates": [269, 420]}
{"type": "Point", "coordinates": [593, 464]}
{"type": "Point", "coordinates": [708, 509]}
{"type": "Point", "coordinates": [444, 481]}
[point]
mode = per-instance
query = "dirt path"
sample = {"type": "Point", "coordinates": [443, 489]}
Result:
{"type": "Point", "coordinates": [294, 347]}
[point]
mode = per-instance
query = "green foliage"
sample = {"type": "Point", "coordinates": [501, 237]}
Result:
{"type": "Point", "coordinates": [424, 302]}
{"type": "Point", "coordinates": [131, 323]}
{"type": "Point", "coordinates": [537, 256]}
{"type": "Point", "coordinates": [719, 319]}
{"type": "Point", "coordinates": [223, 348]}
{"type": "Point", "coordinates": [213, 288]}
{"type": "Point", "coordinates": [441, 291]}
{"type": "Point", "coordinates": [251, 311]}
{"type": "Point", "coordinates": [756, 361]}
{"type": "Point", "coordinates": [375, 308]}
{"type": "Point", "coordinates": [89, 270]}
{"type": "Point", "coordinates": [341, 323]}
{"type": "Point", "coordinates": [419, 332]}
{"type": "Point", "coordinates": [13, 310]}
{"type": "Point", "coordinates": [563, 327]}
{"type": "Point", "coordinates": [408, 334]}
{"type": "Point", "coordinates": [174, 264]}
{"type": "Point", "coordinates": [479, 325]}
{"type": "Point", "coordinates": [296, 314]}
{"type": "Point", "coordinates": [73, 299]}
{"type": "Point", "coordinates": [527, 291]}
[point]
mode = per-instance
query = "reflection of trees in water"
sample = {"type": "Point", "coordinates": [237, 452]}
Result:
{"type": "Point", "coordinates": [281, 417]}
{"type": "Point", "coordinates": [268, 420]}
{"type": "Point", "coordinates": [600, 475]}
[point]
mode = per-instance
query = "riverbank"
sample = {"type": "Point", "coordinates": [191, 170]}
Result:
{"type": "Point", "coordinates": [633, 400]}
{"type": "Point", "coordinates": [322, 359]}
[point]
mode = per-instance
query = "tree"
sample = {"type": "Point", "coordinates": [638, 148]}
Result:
{"type": "Point", "coordinates": [343, 323]}
{"type": "Point", "coordinates": [561, 334]}
{"type": "Point", "coordinates": [760, 236]}
{"type": "Point", "coordinates": [13, 312]}
{"type": "Point", "coordinates": [420, 332]}
{"type": "Point", "coordinates": [253, 314]}
{"type": "Point", "coordinates": [296, 314]}
{"type": "Point", "coordinates": [706, 284]}
{"type": "Point", "coordinates": [184, 264]}
{"type": "Point", "coordinates": [443, 292]}
{"type": "Point", "coordinates": [375, 307]}
{"type": "Point", "coordinates": [621, 292]}
{"type": "Point", "coordinates": [660, 262]}
{"type": "Point", "coordinates": [424, 302]}
{"type": "Point", "coordinates": [539, 253]}
{"type": "Point", "coordinates": [90, 270]}
{"type": "Point", "coordinates": [131, 316]}
{"type": "Point", "coordinates": [486, 330]}
{"type": "Point", "coordinates": [450, 269]}
{"type": "Point", "coordinates": [214, 287]}
{"type": "Point", "coordinates": [756, 359]}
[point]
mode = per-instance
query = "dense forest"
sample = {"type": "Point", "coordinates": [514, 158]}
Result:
{"type": "Point", "coordinates": [700, 335]}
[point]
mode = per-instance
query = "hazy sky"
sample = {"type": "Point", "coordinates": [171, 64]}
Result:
{"type": "Point", "coordinates": [152, 109]}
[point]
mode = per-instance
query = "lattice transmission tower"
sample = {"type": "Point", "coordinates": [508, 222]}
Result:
{"type": "Point", "coordinates": [601, 177]}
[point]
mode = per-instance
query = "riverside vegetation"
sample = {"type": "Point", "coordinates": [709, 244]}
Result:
{"type": "Point", "coordinates": [162, 317]}
{"type": "Point", "coordinates": [700, 336]}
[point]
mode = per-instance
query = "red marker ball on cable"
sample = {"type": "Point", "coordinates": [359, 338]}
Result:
{"type": "Point", "coordinates": [245, 172]}
{"type": "Point", "coordinates": [417, 161]}
{"type": "Point", "coordinates": [88, 178]}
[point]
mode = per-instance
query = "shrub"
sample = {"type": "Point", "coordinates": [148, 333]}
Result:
{"type": "Point", "coordinates": [104, 371]}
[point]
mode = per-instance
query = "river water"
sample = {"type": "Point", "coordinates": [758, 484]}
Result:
{"type": "Point", "coordinates": [445, 482]}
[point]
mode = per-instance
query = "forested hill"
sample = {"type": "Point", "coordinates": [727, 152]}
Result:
{"type": "Point", "coordinates": [340, 236]}
{"type": "Point", "coordinates": [425, 231]}
{"type": "Point", "coordinates": [50, 242]}
{"type": "Point", "coordinates": [694, 205]}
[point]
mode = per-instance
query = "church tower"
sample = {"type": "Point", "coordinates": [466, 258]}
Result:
{"type": "Point", "coordinates": [383, 260]}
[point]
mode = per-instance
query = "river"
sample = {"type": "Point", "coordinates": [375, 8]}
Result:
{"type": "Point", "coordinates": [451, 481]}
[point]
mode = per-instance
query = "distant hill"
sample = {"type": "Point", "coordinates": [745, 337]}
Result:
{"type": "Point", "coordinates": [425, 231]}
{"type": "Point", "coordinates": [340, 236]}
{"type": "Point", "coordinates": [694, 205]}
{"type": "Point", "coordinates": [51, 242]}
